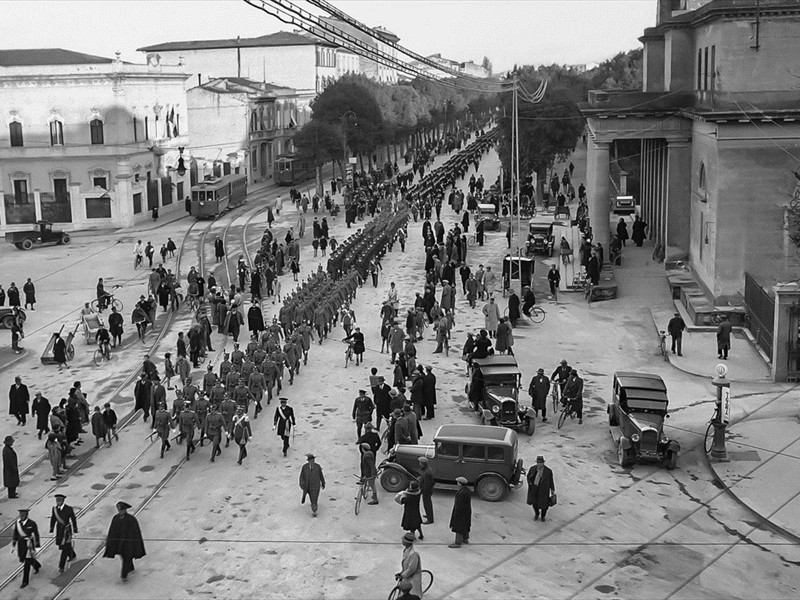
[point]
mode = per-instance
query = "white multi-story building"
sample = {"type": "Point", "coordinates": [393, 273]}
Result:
{"type": "Point", "coordinates": [88, 141]}
{"type": "Point", "coordinates": [284, 58]}
{"type": "Point", "coordinates": [380, 40]}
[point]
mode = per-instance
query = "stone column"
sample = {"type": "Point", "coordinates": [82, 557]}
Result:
{"type": "Point", "coordinates": [37, 204]}
{"type": "Point", "coordinates": [679, 181]}
{"type": "Point", "coordinates": [76, 205]}
{"type": "Point", "coordinates": [597, 168]}
{"type": "Point", "coordinates": [787, 296]}
{"type": "Point", "coordinates": [124, 194]}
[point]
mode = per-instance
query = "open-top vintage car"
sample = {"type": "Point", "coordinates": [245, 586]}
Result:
{"type": "Point", "coordinates": [43, 234]}
{"type": "Point", "coordinates": [493, 391]}
{"type": "Point", "coordinates": [636, 418]}
{"type": "Point", "coordinates": [486, 456]}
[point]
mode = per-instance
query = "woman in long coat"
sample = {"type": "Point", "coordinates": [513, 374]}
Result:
{"type": "Point", "coordinates": [505, 337]}
{"type": "Point", "coordinates": [409, 499]}
{"type": "Point", "coordinates": [60, 352]}
{"type": "Point", "coordinates": [622, 231]}
{"type": "Point", "coordinates": [540, 487]}
{"type": "Point", "coordinates": [513, 308]}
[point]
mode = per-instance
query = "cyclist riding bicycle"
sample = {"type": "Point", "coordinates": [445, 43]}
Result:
{"type": "Point", "coordinates": [138, 252]}
{"type": "Point", "coordinates": [573, 393]}
{"type": "Point", "coordinates": [103, 339]}
{"type": "Point", "coordinates": [193, 291]}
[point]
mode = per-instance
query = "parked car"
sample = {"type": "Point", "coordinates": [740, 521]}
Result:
{"type": "Point", "coordinates": [636, 418]}
{"type": "Point", "coordinates": [624, 205]}
{"type": "Point", "coordinates": [493, 391]}
{"type": "Point", "coordinates": [7, 316]}
{"type": "Point", "coordinates": [43, 234]}
{"type": "Point", "coordinates": [486, 456]}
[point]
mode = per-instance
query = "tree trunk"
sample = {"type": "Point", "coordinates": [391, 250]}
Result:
{"type": "Point", "coordinates": [341, 170]}
{"type": "Point", "coordinates": [318, 181]}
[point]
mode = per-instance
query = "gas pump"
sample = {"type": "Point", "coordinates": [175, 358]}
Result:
{"type": "Point", "coordinates": [722, 416]}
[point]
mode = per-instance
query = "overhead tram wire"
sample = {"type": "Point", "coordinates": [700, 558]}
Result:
{"type": "Point", "coordinates": [290, 14]}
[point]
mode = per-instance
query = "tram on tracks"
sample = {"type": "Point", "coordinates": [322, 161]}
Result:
{"type": "Point", "coordinates": [212, 197]}
{"type": "Point", "coordinates": [291, 169]}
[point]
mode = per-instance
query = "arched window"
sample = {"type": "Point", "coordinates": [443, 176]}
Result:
{"type": "Point", "coordinates": [701, 183]}
{"type": "Point", "coordinates": [56, 133]}
{"type": "Point", "coordinates": [96, 129]}
{"type": "Point", "coordinates": [15, 132]}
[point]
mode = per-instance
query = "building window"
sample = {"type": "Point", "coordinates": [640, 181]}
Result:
{"type": "Point", "coordinates": [15, 132]}
{"type": "Point", "coordinates": [701, 183]}
{"type": "Point", "coordinates": [712, 68]}
{"type": "Point", "coordinates": [135, 133]}
{"type": "Point", "coordinates": [700, 69]}
{"type": "Point", "coordinates": [101, 182]}
{"type": "Point", "coordinates": [96, 130]}
{"type": "Point", "coordinates": [137, 203]}
{"type": "Point", "coordinates": [147, 128]}
{"type": "Point", "coordinates": [21, 191]}
{"type": "Point", "coordinates": [705, 68]}
{"type": "Point", "coordinates": [56, 133]}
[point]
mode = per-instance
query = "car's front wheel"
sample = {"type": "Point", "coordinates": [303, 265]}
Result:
{"type": "Point", "coordinates": [672, 459]}
{"type": "Point", "coordinates": [530, 425]}
{"type": "Point", "coordinates": [491, 489]}
{"type": "Point", "coordinates": [626, 456]}
{"type": "Point", "coordinates": [394, 481]}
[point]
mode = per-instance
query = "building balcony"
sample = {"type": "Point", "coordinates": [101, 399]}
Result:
{"type": "Point", "coordinates": [752, 104]}
{"type": "Point", "coordinates": [634, 102]}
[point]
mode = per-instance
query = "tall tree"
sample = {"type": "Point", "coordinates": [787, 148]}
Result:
{"type": "Point", "coordinates": [319, 142]}
{"type": "Point", "coordinates": [487, 64]}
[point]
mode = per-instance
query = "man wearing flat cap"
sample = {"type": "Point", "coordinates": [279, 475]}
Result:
{"type": "Point", "coordinates": [26, 539]}
{"type": "Point", "coordinates": [62, 519]}
{"type": "Point", "coordinates": [363, 407]}
{"type": "Point", "coordinates": [461, 517]}
{"type": "Point", "coordinates": [311, 481]}
{"type": "Point", "coordinates": [124, 539]}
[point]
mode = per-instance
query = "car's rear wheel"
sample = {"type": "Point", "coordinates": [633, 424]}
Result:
{"type": "Point", "coordinates": [491, 488]}
{"type": "Point", "coordinates": [8, 321]}
{"type": "Point", "coordinates": [65, 239]}
{"type": "Point", "coordinates": [394, 481]}
{"type": "Point", "coordinates": [625, 456]}
{"type": "Point", "coordinates": [27, 244]}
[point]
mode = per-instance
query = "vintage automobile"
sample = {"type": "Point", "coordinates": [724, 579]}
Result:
{"type": "Point", "coordinates": [636, 418]}
{"type": "Point", "coordinates": [486, 456]}
{"type": "Point", "coordinates": [7, 317]}
{"type": "Point", "coordinates": [624, 205]}
{"type": "Point", "coordinates": [493, 392]}
{"type": "Point", "coordinates": [43, 234]}
{"type": "Point", "coordinates": [486, 213]}
{"type": "Point", "coordinates": [540, 236]}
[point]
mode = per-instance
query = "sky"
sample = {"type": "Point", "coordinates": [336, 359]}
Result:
{"type": "Point", "coordinates": [508, 32]}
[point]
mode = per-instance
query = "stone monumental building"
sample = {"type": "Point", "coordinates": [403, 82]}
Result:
{"type": "Point", "coordinates": [718, 120]}
{"type": "Point", "coordinates": [88, 141]}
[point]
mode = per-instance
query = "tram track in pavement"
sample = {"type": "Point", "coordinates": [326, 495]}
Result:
{"type": "Point", "coordinates": [127, 419]}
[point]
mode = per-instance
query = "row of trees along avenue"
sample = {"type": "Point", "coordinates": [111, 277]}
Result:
{"type": "Point", "coordinates": [356, 116]}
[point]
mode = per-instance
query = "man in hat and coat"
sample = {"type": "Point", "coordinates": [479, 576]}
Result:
{"type": "Point", "coordinates": [10, 467]}
{"type": "Point", "coordinates": [124, 539]}
{"type": "Point", "coordinates": [540, 488]}
{"type": "Point", "coordinates": [284, 422]}
{"type": "Point", "coordinates": [461, 517]}
{"type": "Point", "coordinates": [538, 390]}
{"type": "Point", "coordinates": [18, 399]}
{"type": "Point", "coordinates": [311, 481]}
{"type": "Point", "coordinates": [26, 539]}
{"type": "Point", "coordinates": [411, 565]}
{"type": "Point", "coordinates": [62, 519]}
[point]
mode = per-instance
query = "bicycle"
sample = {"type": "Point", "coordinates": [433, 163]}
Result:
{"type": "Point", "coordinates": [427, 582]}
{"type": "Point", "coordinates": [537, 314]}
{"type": "Point", "coordinates": [138, 261]}
{"type": "Point", "coordinates": [102, 353]}
{"type": "Point", "coordinates": [106, 301]}
{"type": "Point", "coordinates": [708, 441]}
{"type": "Point", "coordinates": [555, 393]}
{"type": "Point", "coordinates": [662, 335]}
{"type": "Point", "coordinates": [193, 301]}
{"type": "Point", "coordinates": [348, 354]}
{"type": "Point", "coordinates": [471, 240]}
{"type": "Point", "coordinates": [568, 410]}
{"type": "Point", "coordinates": [361, 494]}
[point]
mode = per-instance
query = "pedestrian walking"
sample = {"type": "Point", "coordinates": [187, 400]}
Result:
{"type": "Point", "coordinates": [30, 294]}
{"type": "Point", "coordinates": [491, 313]}
{"type": "Point", "coordinates": [241, 432]}
{"type": "Point", "coordinates": [284, 422]}
{"type": "Point", "coordinates": [40, 407]}
{"type": "Point", "coordinates": [10, 467]}
{"type": "Point", "coordinates": [411, 566]}
{"type": "Point", "coordinates": [363, 407]}
{"type": "Point", "coordinates": [675, 328]}
{"type": "Point", "coordinates": [409, 500]}
{"type": "Point", "coordinates": [60, 351]}
{"type": "Point", "coordinates": [18, 399]}
{"type": "Point", "coordinates": [55, 453]}
{"type": "Point", "coordinates": [723, 338]}
{"type": "Point", "coordinates": [554, 279]}
{"type": "Point", "coordinates": [622, 231]}
{"type": "Point", "coordinates": [162, 425]}
{"type": "Point", "coordinates": [13, 295]}
{"type": "Point", "coordinates": [124, 539]}
{"type": "Point", "coordinates": [312, 480]}
{"type": "Point", "coordinates": [538, 390]}
{"type": "Point", "coordinates": [99, 428]}
{"type": "Point", "coordinates": [541, 488]}
{"type": "Point", "coordinates": [215, 426]}
{"type": "Point", "coordinates": [110, 418]}
{"type": "Point", "coordinates": [25, 540]}
{"type": "Point", "coordinates": [65, 524]}
{"type": "Point", "coordinates": [461, 517]}
{"type": "Point", "coordinates": [426, 483]}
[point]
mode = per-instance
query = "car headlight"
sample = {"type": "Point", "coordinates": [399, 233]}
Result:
{"type": "Point", "coordinates": [635, 437]}
{"type": "Point", "coordinates": [495, 409]}
{"type": "Point", "coordinates": [664, 439]}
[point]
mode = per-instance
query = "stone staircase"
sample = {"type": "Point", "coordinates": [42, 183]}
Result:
{"type": "Point", "coordinates": [700, 309]}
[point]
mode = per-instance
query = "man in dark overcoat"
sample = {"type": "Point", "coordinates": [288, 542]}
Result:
{"type": "Point", "coordinates": [62, 519]}
{"type": "Point", "coordinates": [311, 481]}
{"type": "Point", "coordinates": [10, 467]}
{"type": "Point", "coordinates": [124, 539]}
{"type": "Point", "coordinates": [461, 517]}
{"type": "Point", "coordinates": [18, 399]}
{"type": "Point", "coordinates": [540, 488]}
{"type": "Point", "coordinates": [538, 390]}
{"type": "Point", "coordinates": [429, 392]}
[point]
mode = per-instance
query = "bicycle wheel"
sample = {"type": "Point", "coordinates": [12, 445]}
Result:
{"type": "Point", "coordinates": [395, 593]}
{"type": "Point", "coordinates": [563, 416]}
{"type": "Point", "coordinates": [427, 580]}
{"type": "Point", "coordinates": [554, 394]}
{"type": "Point", "coordinates": [117, 304]}
{"type": "Point", "coordinates": [347, 357]}
{"type": "Point", "coordinates": [709, 439]}
{"type": "Point", "coordinates": [537, 314]}
{"type": "Point", "coordinates": [97, 357]}
{"type": "Point", "coordinates": [471, 240]}
{"type": "Point", "coordinates": [359, 497]}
